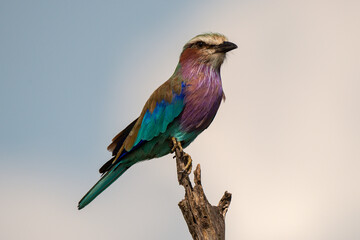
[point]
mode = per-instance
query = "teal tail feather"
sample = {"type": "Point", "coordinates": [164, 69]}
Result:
{"type": "Point", "coordinates": [103, 183]}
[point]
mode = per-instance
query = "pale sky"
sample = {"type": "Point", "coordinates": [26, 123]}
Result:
{"type": "Point", "coordinates": [286, 142]}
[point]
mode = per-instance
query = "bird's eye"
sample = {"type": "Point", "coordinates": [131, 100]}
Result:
{"type": "Point", "coordinates": [200, 44]}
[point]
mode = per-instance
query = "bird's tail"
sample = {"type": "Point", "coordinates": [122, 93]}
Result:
{"type": "Point", "coordinates": [105, 181]}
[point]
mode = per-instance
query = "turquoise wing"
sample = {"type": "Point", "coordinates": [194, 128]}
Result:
{"type": "Point", "coordinates": [157, 121]}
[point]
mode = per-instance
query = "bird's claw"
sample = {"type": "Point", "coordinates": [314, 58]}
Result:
{"type": "Point", "coordinates": [188, 166]}
{"type": "Point", "coordinates": [177, 145]}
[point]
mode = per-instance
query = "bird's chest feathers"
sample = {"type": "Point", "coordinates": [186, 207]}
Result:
{"type": "Point", "coordinates": [203, 94]}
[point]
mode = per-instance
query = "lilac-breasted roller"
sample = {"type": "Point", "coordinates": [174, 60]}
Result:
{"type": "Point", "coordinates": [180, 108]}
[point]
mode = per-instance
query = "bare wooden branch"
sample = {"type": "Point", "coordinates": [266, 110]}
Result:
{"type": "Point", "coordinates": [205, 222]}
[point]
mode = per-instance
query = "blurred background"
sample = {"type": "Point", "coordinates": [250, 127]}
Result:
{"type": "Point", "coordinates": [286, 143]}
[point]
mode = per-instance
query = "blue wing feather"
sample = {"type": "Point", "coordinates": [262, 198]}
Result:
{"type": "Point", "coordinates": [152, 125]}
{"type": "Point", "coordinates": [156, 122]}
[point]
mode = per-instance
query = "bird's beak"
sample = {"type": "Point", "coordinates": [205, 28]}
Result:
{"type": "Point", "coordinates": [225, 47]}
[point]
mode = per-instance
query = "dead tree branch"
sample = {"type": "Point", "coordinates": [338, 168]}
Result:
{"type": "Point", "coordinates": [205, 222]}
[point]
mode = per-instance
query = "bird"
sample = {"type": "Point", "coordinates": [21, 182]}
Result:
{"type": "Point", "coordinates": [177, 111]}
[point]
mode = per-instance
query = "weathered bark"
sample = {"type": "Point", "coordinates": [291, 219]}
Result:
{"type": "Point", "coordinates": [205, 222]}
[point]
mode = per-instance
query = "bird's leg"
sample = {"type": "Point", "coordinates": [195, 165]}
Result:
{"type": "Point", "coordinates": [184, 155]}
{"type": "Point", "coordinates": [176, 144]}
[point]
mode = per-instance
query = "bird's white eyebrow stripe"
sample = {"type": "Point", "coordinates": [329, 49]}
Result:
{"type": "Point", "coordinates": [206, 45]}
{"type": "Point", "coordinates": [209, 39]}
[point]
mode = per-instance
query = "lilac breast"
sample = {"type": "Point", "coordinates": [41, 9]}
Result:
{"type": "Point", "coordinates": [203, 94]}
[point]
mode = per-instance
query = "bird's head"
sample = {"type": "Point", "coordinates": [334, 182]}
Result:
{"type": "Point", "coordinates": [208, 48]}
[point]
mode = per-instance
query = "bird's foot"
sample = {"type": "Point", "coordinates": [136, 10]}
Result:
{"type": "Point", "coordinates": [176, 144]}
{"type": "Point", "coordinates": [188, 166]}
{"type": "Point", "coordinates": [185, 158]}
